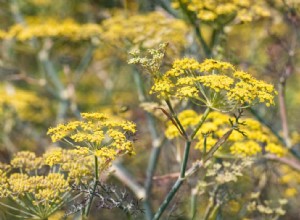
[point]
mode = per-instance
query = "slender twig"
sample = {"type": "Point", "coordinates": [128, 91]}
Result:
{"type": "Point", "coordinates": [16, 12]}
{"type": "Point", "coordinates": [282, 105]}
{"type": "Point", "coordinates": [185, 159]}
{"type": "Point", "coordinates": [215, 36]}
{"type": "Point", "coordinates": [96, 179]}
{"type": "Point", "coordinates": [220, 142]}
{"type": "Point", "coordinates": [49, 67]}
{"type": "Point", "coordinates": [193, 203]}
{"type": "Point", "coordinates": [166, 6]}
{"type": "Point", "coordinates": [85, 61]}
{"type": "Point", "coordinates": [125, 177]}
{"type": "Point", "coordinates": [210, 205]}
{"type": "Point", "coordinates": [152, 164]}
{"type": "Point", "coordinates": [174, 115]}
{"type": "Point", "coordinates": [168, 198]}
{"type": "Point", "coordinates": [197, 29]}
{"type": "Point", "coordinates": [264, 122]}
{"type": "Point", "coordinates": [287, 161]}
{"type": "Point", "coordinates": [171, 118]}
{"type": "Point", "coordinates": [204, 116]}
{"type": "Point", "coordinates": [19, 210]}
{"type": "Point", "coordinates": [167, 176]}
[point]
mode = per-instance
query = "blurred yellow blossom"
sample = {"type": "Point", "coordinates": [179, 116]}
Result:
{"type": "Point", "coordinates": [144, 31]}
{"type": "Point", "coordinates": [290, 178]}
{"type": "Point", "coordinates": [44, 189]}
{"type": "Point", "coordinates": [27, 104]}
{"type": "Point", "coordinates": [224, 11]}
{"type": "Point", "coordinates": [37, 27]}
{"type": "Point", "coordinates": [257, 139]}
{"type": "Point", "coordinates": [290, 192]}
{"type": "Point", "coordinates": [26, 160]}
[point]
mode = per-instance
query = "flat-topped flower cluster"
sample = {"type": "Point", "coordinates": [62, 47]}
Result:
{"type": "Point", "coordinates": [40, 185]}
{"type": "Point", "coordinates": [216, 84]}
{"type": "Point", "coordinates": [97, 134]}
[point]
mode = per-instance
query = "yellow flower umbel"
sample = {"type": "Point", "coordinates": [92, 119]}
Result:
{"type": "Point", "coordinates": [215, 84]}
{"type": "Point", "coordinates": [27, 104]}
{"type": "Point", "coordinates": [258, 139]}
{"type": "Point", "coordinates": [26, 161]}
{"type": "Point", "coordinates": [53, 28]}
{"type": "Point", "coordinates": [37, 192]}
{"type": "Point", "coordinates": [143, 31]}
{"type": "Point", "coordinates": [76, 163]}
{"type": "Point", "coordinates": [99, 135]}
{"type": "Point", "coordinates": [225, 10]}
{"type": "Point", "coordinates": [96, 136]}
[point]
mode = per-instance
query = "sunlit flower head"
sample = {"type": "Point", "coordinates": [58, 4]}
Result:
{"type": "Point", "coordinates": [216, 84]}
{"type": "Point", "coordinates": [96, 134]}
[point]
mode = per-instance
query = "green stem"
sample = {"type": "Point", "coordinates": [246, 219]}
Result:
{"type": "Point", "coordinates": [156, 147]}
{"type": "Point", "coordinates": [139, 85]}
{"type": "Point", "coordinates": [166, 6]}
{"type": "Point", "coordinates": [185, 159]}
{"type": "Point", "coordinates": [192, 170]}
{"type": "Point", "coordinates": [193, 203]}
{"type": "Point", "coordinates": [128, 215]}
{"type": "Point", "coordinates": [174, 115]}
{"type": "Point", "coordinates": [16, 12]}
{"type": "Point", "coordinates": [204, 146]}
{"type": "Point", "coordinates": [96, 178]}
{"type": "Point", "coordinates": [210, 209]}
{"type": "Point", "coordinates": [207, 50]}
{"type": "Point", "coordinates": [203, 118]}
{"type": "Point", "coordinates": [197, 29]}
{"type": "Point", "coordinates": [177, 184]}
{"type": "Point", "coordinates": [62, 109]}
{"type": "Point", "coordinates": [215, 212]}
{"type": "Point", "coordinates": [51, 72]}
{"type": "Point", "coordinates": [152, 164]}
{"type": "Point", "coordinates": [180, 180]}
{"type": "Point", "coordinates": [15, 209]}
{"type": "Point", "coordinates": [168, 199]}
{"type": "Point", "coordinates": [215, 37]}
{"type": "Point", "coordinates": [84, 63]}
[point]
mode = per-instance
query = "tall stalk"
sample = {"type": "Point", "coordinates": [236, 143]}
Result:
{"type": "Point", "coordinates": [96, 179]}
{"type": "Point", "coordinates": [156, 147]}
{"type": "Point", "coordinates": [181, 178]}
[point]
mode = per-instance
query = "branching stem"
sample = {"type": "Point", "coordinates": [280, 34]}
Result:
{"type": "Point", "coordinates": [181, 178]}
{"type": "Point", "coordinates": [96, 179]}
